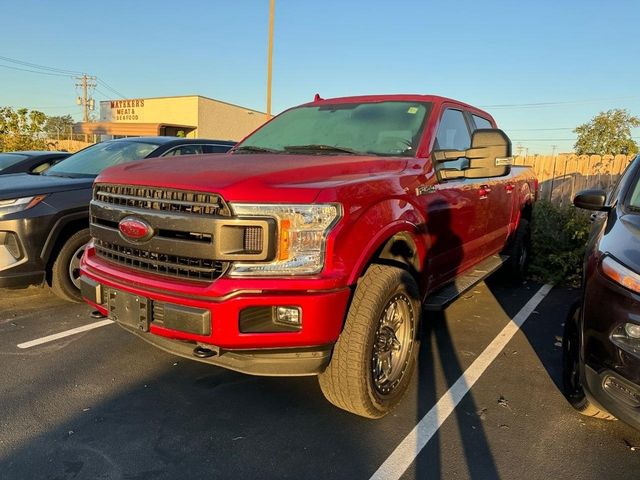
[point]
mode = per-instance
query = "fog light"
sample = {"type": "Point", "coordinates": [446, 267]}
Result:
{"type": "Point", "coordinates": [288, 316]}
{"type": "Point", "coordinates": [632, 330]}
{"type": "Point", "coordinates": [10, 241]}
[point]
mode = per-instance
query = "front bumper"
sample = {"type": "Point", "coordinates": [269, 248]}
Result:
{"type": "Point", "coordinates": [21, 245]}
{"type": "Point", "coordinates": [614, 393]}
{"type": "Point", "coordinates": [302, 352]}
{"type": "Point", "coordinates": [611, 372]}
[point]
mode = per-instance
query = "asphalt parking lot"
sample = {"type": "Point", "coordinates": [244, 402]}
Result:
{"type": "Point", "coordinates": [103, 404]}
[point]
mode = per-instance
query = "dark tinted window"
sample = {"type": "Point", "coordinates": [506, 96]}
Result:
{"type": "Point", "coordinates": [482, 122]}
{"type": "Point", "coordinates": [634, 201]}
{"type": "Point", "coordinates": [217, 148]}
{"type": "Point", "coordinates": [453, 133]}
{"type": "Point", "coordinates": [92, 160]}
{"type": "Point", "coordinates": [184, 150]}
{"type": "Point", "coordinates": [9, 159]}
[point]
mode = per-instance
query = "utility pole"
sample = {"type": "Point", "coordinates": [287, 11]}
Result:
{"type": "Point", "coordinates": [87, 103]}
{"type": "Point", "coordinates": [270, 56]}
{"type": "Point", "coordinates": [553, 150]}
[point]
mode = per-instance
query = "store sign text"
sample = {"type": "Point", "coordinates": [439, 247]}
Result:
{"type": "Point", "coordinates": [123, 110]}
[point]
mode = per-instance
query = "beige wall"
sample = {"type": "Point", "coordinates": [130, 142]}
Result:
{"type": "Point", "coordinates": [212, 118]}
{"type": "Point", "coordinates": [222, 121]}
{"type": "Point", "coordinates": [179, 111]}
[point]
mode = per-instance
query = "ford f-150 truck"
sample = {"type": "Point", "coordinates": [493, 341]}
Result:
{"type": "Point", "coordinates": [315, 244]}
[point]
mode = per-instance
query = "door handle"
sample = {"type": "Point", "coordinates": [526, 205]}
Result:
{"type": "Point", "coordinates": [484, 191]}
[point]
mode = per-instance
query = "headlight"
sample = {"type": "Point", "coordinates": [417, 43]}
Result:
{"type": "Point", "coordinates": [621, 274]}
{"type": "Point", "coordinates": [302, 233]}
{"type": "Point", "coordinates": [19, 204]}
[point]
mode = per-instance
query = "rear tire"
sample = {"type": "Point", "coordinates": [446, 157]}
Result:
{"type": "Point", "coordinates": [65, 272]}
{"type": "Point", "coordinates": [572, 383]}
{"type": "Point", "coordinates": [519, 251]}
{"type": "Point", "coordinates": [374, 358]}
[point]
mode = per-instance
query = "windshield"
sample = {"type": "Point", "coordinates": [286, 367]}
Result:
{"type": "Point", "coordinates": [634, 203]}
{"type": "Point", "coordinates": [381, 128]}
{"type": "Point", "coordinates": [9, 159]}
{"type": "Point", "coordinates": [91, 161]}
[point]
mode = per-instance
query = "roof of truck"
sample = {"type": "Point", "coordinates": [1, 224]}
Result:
{"type": "Point", "coordinates": [392, 97]}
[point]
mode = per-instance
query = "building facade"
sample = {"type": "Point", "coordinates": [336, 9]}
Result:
{"type": "Point", "coordinates": [192, 116]}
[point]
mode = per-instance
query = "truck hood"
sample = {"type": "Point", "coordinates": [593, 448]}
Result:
{"type": "Point", "coordinates": [255, 177]}
{"type": "Point", "coordinates": [19, 185]}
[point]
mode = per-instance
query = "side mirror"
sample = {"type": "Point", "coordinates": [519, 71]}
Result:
{"type": "Point", "coordinates": [489, 156]}
{"type": "Point", "coordinates": [592, 200]}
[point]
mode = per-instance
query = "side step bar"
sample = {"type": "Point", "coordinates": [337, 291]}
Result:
{"type": "Point", "coordinates": [440, 299]}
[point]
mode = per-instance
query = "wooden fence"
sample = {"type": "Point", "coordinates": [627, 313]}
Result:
{"type": "Point", "coordinates": [562, 176]}
{"type": "Point", "coordinates": [67, 145]}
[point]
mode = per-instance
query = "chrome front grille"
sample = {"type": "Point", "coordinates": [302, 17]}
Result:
{"type": "Point", "coordinates": [160, 199]}
{"type": "Point", "coordinates": [182, 246]}
{"type": "Point", "coordinates": [160, 263]}
{"type": "Point", "coordinates": [193, 235]}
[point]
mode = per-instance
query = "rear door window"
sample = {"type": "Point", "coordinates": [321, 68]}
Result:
{"type": "Point", "coordinates": [184, 150]}
{"type": "Point", "coordinates": [216, 148]}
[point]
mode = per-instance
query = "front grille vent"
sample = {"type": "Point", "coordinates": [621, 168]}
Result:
{"type": "Point", "coordinates": [162, 199]}
{"type": "Point", "coordinates": [160, 263]}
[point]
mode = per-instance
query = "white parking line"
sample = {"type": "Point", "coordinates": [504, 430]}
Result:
{"type": "Point", "coordinates": [405, 453]}
{"type": "Point", "coordinates": [66, 333]}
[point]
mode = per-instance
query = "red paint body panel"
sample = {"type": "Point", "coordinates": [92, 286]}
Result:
{"type": "Point", "coordinates": [453, 227]}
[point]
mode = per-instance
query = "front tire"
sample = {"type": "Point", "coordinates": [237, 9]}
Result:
{"type": "Point", "coordinates": [572, 383]}
{"type": "Point", "coordinates": [374, 358]}
{"type": "Point", "coordinates": [65, 273]}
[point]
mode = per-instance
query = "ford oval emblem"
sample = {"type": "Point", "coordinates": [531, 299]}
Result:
{"type": "Point", "coordinates": [135, 229]}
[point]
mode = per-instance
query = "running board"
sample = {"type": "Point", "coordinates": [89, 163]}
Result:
{"type": "Point", "coordinates": [440, 299]}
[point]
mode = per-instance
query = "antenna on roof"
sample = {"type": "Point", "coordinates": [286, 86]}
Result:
{"type": "Point", "coordinates": [317, 98]}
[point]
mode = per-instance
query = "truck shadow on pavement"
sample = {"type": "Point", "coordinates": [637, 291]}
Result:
{"type": "Point", "coordinates": [437, 350]}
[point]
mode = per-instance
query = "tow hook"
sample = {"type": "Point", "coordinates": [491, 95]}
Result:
{"type": "Point", "coordinates": [203, 352]}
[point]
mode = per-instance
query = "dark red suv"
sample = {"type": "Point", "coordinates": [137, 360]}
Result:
{"type": "Point", "coordinates": [601, 344]}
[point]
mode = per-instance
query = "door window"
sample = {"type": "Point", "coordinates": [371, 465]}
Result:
{"type": "Point", "coordinates": [217, 148]}
{"type": "Point", "coordinates": [184, 150]}
{"type": "Point", "coordinates": [481, 122]}
{"type": "Point", "coordinates": [453, 133]}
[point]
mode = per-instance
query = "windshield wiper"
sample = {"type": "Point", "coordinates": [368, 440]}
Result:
{"type": "Point", "coordinates": [320, 148]}
{"type": "Point", "coordinates": [59, 175]}
{"type": "Point", "coordinates": [254, 149]}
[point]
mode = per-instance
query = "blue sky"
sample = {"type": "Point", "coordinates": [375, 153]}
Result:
{"type": "Point", "coordinates": [581, 53]}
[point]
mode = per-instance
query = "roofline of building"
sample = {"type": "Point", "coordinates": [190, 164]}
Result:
{"type": "Point", "coordinates": [187, 96]}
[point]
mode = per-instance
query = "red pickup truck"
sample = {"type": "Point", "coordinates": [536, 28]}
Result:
{"type": "Point", "coordinates": [314, 246]}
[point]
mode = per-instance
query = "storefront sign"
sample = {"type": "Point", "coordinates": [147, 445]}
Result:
{"type": "Point", "coordinates": [126, 110]}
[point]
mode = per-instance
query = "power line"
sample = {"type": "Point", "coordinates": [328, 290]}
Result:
{"type": "Point", "coordinates": [36, 71]}
{"type": "Point", "coordinates": [52, 71]}
{"type": "Point", "coordinates": [110, 88]}
{"type": "Point", "coordinates": [52, 106]}
{"type": "Point", "coordinates": [551, 104]}
{"type": "Point", "coordinates": [41, 67]}
{"type": "Point", "coordinates": [103, 94]}
{"type": "Point", "coordinates": [537, 129]}
{"type": "Point", "coordinates": [550, 139]}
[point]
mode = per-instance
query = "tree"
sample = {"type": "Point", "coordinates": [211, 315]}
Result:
{"type": "Point", "coordinates": [21, 129]}
{"type": "Point", "coordinates": [607, 133]}
{"type": "Point", "coordinates": [59, 128]}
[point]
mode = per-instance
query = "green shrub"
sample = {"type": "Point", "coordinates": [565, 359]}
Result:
{"type": "Point", "coordinates": [558, 238]}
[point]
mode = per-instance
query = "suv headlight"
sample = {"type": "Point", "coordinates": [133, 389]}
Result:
{"type": "Point", "coordinates": [620, 274]}
{"type": "Point", "coordinates": [301, 237]}
{"type": "Point", "coordinates": [19, 204]}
